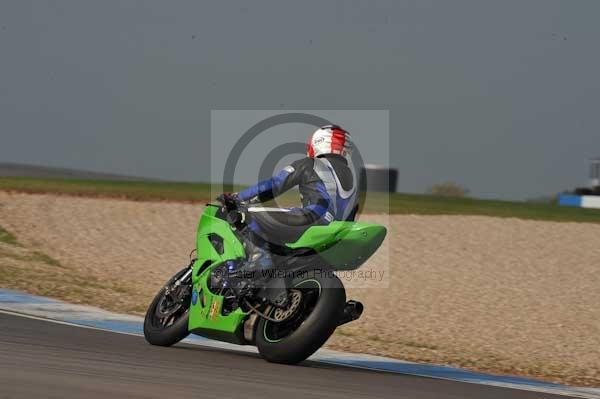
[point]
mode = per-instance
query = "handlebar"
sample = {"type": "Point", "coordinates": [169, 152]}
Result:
{"type": "Point", "coordinates": [228, 203]}
{"type": "Point", "coordinates": [234, 211]}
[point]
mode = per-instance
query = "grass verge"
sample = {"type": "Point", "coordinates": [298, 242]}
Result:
{"type": "Point", "coordinates": [7, 238]}
{"type": "Point", "coordinates": [376, 202]}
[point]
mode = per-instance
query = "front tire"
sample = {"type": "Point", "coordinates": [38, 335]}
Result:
{"type": "Point", "coordinates": [292, 341]}
{"type": "Point", "coordinates": [173, 327]}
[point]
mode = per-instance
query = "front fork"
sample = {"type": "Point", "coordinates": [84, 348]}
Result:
{"type": "Point", "coordinates": [188, 273]}
{"type": "Point", "coordinates": [184, 277]}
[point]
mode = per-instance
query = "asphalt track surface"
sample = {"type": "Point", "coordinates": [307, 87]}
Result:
{"type": "Point", "coordinates": [48, 360]}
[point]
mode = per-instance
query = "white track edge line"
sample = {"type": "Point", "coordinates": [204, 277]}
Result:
{"type": "Point", "coordinates": [65, 323]}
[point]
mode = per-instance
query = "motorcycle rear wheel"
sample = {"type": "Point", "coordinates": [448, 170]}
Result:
{"type": "Point", "coordinates": [295, 339]}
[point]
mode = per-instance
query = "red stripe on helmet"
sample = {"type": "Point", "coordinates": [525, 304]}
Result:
{"type": "Point", "coordinates": [309, 147]}
{"type": "Point", "coordinates": [338, 141]}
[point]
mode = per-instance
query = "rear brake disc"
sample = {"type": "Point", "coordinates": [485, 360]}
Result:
{"type": "Point", "coordinates": [294, 304]}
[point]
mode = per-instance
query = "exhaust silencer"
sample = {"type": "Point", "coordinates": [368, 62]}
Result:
{"type": "Point", "coordinates": [352, 311]}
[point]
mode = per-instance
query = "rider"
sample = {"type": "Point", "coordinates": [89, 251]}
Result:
{"type": "Point", "coordinates": [328, 190]}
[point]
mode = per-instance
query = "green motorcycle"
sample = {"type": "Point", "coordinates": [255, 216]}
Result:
{"type": "Point", "coordinates": [294, 310]}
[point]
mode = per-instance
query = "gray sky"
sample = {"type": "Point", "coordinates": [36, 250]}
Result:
{"type": "Point", "coordinates": [501, 96]}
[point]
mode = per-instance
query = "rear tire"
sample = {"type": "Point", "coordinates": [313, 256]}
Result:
{"type": "Point", "coordinates": [315, 327]}
{"type": "Point", "coordinates": [161, 335]}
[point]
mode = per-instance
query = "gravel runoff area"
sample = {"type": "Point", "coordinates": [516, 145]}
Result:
{"type": "Point", "coordinates": [489, 294]}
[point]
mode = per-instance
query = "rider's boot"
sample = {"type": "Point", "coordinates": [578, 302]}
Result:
{"type": "Point", "coordinates": [253, 271]}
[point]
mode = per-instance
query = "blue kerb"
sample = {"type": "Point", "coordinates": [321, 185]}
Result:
{"type": "Point", "coordinates": [570, 200]}
{"type": "Point", "coordinates": [445, 372]}
{"type": "Point", "coordinates": [8, 296]}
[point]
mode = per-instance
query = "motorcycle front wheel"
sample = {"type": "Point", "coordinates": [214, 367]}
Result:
{"type": "Point", "coordinates": [317, 300]}
{"type": "Point", "coordinates": [166, 321]}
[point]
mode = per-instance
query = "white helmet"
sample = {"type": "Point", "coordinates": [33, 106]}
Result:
{"type": "Point", "coordinates": [330, 139]}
